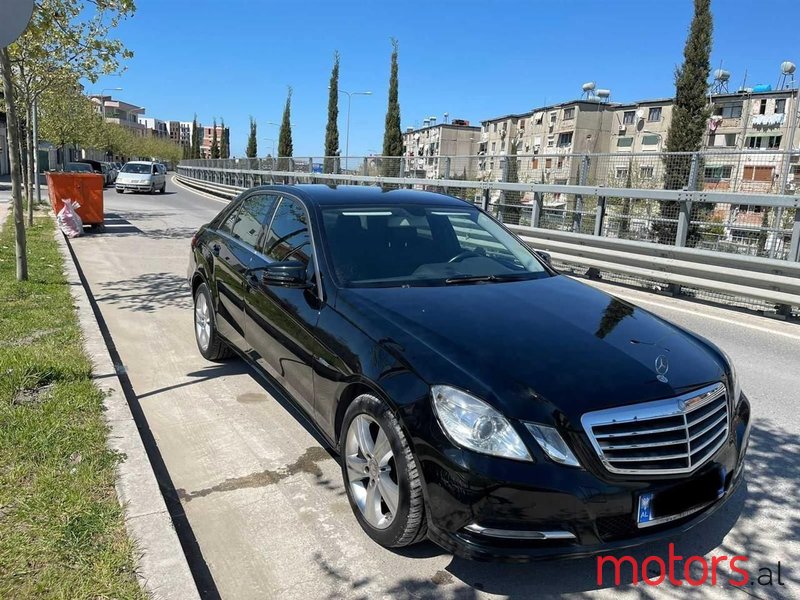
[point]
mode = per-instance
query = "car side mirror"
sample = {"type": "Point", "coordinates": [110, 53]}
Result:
{"type": "Point", "coordinates": [288, 273]}
{"type": "Point", "coordinates": [545, 256]}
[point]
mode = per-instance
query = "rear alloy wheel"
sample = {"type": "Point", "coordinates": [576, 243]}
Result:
{"type": "Point", "coordinates": [381, 475]}
{"type": "Point", "coordinates": [120, 191]}
{"type": "Point", "coordinates": [205, 331]}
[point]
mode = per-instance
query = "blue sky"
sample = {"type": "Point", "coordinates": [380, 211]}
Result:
{"type": "Point", "coordinates": [474, 59]}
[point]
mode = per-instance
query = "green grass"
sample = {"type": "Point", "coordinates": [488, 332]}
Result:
{"type": "Point", "coordinates": [62, 533]}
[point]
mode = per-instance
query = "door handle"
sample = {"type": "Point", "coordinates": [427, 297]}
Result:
{"type": "Point", "coordinates": [215, 249]}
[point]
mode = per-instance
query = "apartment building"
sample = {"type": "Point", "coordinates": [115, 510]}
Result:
{"type": "Point", "coordinates": [119, 112]}
{"type": "Point", "coordinates": [180, 132]}
{"type": "Point", "coordinates": [423, 148]}
{"type": "Point", "coordinates": [155, 127]}
{"type": "Point", "coordinates": [208, 138]}
{"type": "Point", "coordinates": [546, 139]}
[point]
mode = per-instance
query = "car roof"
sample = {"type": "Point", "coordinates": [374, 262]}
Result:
{"type": "Point", "coordinates": [140, 162]}
{"type": "Point", "coordinates": [362, 195]}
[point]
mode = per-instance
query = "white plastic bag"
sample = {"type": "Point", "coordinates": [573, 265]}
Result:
{"type": "Point", "coordinates": [68, 220]}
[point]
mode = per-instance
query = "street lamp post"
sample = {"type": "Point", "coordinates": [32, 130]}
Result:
{"type": "Point", "coordinates": [266, 139]}
{"type": "Point", "coordinates": [347, 131]}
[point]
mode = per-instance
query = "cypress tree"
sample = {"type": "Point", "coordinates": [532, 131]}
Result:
{"type": "Point", "coordinates": [214, 141]}
{"type": "Point", "coordinates": [285, 136]}
{"type": "Point", "coordinates": [392, 136]}
{"type": "Point", "coordinates": [332, 130]}
{"type": "Point", "coordinates": [224, 144]}
{"type": "Point", "coordinates": [689, 114]}
{"type": "Point", "coordinates": [195, 152]}
{"type": "Point", "coordinates": [252, 143]}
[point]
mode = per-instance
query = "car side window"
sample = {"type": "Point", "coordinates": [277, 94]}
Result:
{"type": "Point", "coordinates": [251, 218]}
{"type": "Point", "coordinates": [288, 237]}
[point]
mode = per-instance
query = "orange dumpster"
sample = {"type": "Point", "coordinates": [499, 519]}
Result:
{"type": "Point", "coordinates": [84, 188]}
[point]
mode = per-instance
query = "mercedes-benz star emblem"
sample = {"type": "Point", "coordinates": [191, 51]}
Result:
{"type": "Point", "coordinates": [662, 366]}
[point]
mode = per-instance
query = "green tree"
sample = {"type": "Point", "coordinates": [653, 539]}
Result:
{"type": "Point", "coordinates": [252, 141]}
{"type": "Point", "coordinates": [214, 141]}
{"type": "Point", "coordinates": [689, 114]}
{"type": "Point", "coordinates": [285, 148]}
{"type": "Point", "coordinates": [225, 142]}
{"type": "Point", "coordinates": [332, 130]}
{"type": "Point", "coordinates": [392, 136]}
{"type": "Point", "coordinates": [65, 40]}
{"type": "Point", "coordinates": [196, 133]}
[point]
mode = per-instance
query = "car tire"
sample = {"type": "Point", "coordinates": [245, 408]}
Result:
{"type": "Point", "coordinates": [164, 188]}
{"type": "Point", "coordinates": [373, 482]}
{"type": "Point", "coordinates": [211, 346]}
{"type": "Point", "coordinates": [119, 191]}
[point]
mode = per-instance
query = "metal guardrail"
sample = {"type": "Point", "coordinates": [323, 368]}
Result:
{"type": "Point", "coordinates": [774, 282]}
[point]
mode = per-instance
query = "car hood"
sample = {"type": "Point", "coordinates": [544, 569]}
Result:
{"type": "Point", "coordinates": [133, 176]}
{"type": "Point", "coordinates": [537, 349]}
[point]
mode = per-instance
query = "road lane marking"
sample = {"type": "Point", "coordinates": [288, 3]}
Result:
{"type": "Point", "coordinates": [635, 300]}
{"type": "Point", "coordinates": [199, 193]}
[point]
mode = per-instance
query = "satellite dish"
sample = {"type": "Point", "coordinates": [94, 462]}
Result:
{"type": "Point", "coordinates": [16, 16]}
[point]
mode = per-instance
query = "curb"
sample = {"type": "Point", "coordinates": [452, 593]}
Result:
{"type": "Point", "coordinates": [163, 570]}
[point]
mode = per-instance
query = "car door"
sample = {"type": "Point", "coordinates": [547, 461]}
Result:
{"type": "Point", "coordinates": [232, 249]}
{"type": "Point", "coordinates": [281, 320]}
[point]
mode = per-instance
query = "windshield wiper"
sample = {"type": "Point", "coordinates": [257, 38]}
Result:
{"type": "Point", "coordinates": [482, 278]}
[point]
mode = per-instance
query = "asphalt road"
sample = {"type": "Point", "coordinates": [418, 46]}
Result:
{"type": "Point", "coordinates": [264, 501]}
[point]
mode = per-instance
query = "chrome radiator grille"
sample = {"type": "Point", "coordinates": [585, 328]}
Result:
{"type": "Point", "coordinates": [676, 435]}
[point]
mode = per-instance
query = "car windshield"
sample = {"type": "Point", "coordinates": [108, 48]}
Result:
{"type": "Point", "coordinates": [142, 169]}
{"type": "Point", "coordinates": [79, 167]}
{"type": "Point", "coordinates": [405, 245]}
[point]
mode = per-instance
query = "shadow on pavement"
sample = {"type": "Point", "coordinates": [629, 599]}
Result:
{"type": "Point", "coordinates": [147, 292]}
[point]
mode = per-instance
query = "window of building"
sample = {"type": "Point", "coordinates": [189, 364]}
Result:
{"type": "Point", "coordinates": [494, 127]}
{"type": "Point", "coordinates": [629, 117]}
{"type": "Point", "coordinates": [780, 106]}
{"type": "Point", "coordinates": [565, 139]}
{"type": "Point", "coordinates": [728, 111]}
{"type": "Point", "coordinates": [654, 114]}
{"type": "Point", "coordinates": [717, 173]}
{"type": "Point", "coordinates": [758, 173]}
{"type": "Point", "coordinates": [494, 146]}
{"type": "Point", "coordinates": [550, 141]}
{"type": "Point", "coordinates": [502, 146]}
{"type": "Point", "coordinates": [559, 163]}
{"type": "Point", "coordinates": [535, 163]}
{"type": "Point", "coordinates": [763, 141]}
{"type": "Point", "coordinates": [548, 163]}
{"type": "Point", "coordinates": [650, 140]}
{"type": "Point", "coordinates": [762, 107]}
{"type": "Point", "coordinates": [622, 172]}
{"type": "Point", "coordinates": [538, 118]}
{"type": "Point", "coordinates": [730, 139]}
{"type": "Point", "coordinates": [624, 142]}
{"type": "Point", "coordinates": [646, 172]}
{"type": "Point", "coordinates": [553, 117]}
{"type": "Point", "coordinates": [522, 124]}
{"type": "Point", "coordinates": [569, 114]}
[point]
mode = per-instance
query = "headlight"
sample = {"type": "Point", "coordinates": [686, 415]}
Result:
{"type": "Point", "coordinates": [553, 444]}
{"type": "Point", "coordinates": [475, 425]}
{"type": "Point", "coordinates": [735, 385]}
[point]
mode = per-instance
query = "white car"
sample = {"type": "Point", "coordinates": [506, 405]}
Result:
{"type": "Point", "coordinates": [142, 176]}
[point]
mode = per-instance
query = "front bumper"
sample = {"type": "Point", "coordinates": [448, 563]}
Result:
{"type": "Point", "coordinates": [133, 187]}
{"type": "Point", "coordinates": [580, 511]}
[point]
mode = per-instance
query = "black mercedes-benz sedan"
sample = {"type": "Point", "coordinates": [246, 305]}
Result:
{"type": "Point", "coordinates": [475, 396]}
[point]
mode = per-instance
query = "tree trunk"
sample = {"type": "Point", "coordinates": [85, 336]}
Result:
{"type": "Point", "coordinates": [16, 175]}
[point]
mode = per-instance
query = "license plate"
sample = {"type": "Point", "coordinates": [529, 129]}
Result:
{"type": "Point", "coordinates": [655, 508]}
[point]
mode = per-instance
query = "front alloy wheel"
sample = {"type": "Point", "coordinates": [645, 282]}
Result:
{"type": "Point", "coordinates": [372, 471]}
{"type": "Point", "coordinates": [381, 475]}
